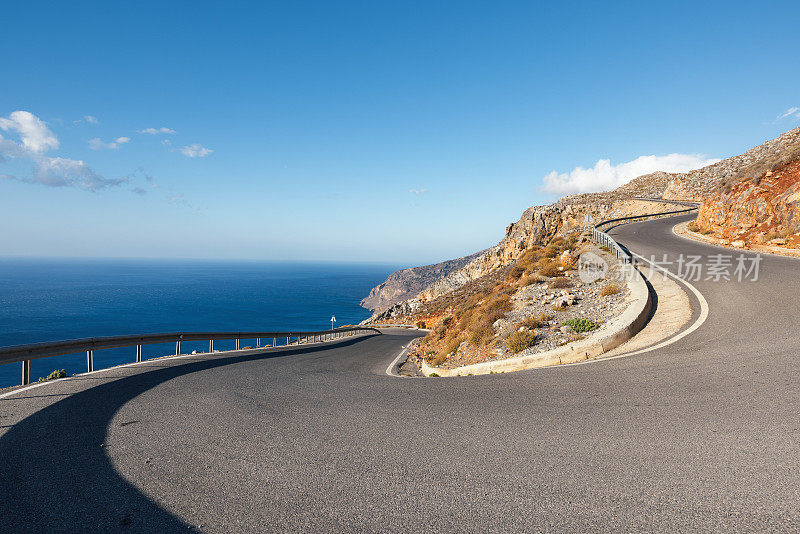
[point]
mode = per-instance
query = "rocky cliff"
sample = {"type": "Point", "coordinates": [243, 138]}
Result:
{"type": "Point", "coordinates": [754, 196]}
{"type": "Point", "coordinates": [408, 282]}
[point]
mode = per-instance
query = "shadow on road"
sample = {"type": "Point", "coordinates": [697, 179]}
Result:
{"type": "Point", "coordinates": [56, 476]}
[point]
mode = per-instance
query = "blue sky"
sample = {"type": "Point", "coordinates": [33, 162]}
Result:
{"type": "Point", "coordinates": [361, 131]}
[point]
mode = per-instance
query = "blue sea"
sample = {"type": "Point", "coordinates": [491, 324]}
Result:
{"type": "Point", "coordinates": [51, 300]}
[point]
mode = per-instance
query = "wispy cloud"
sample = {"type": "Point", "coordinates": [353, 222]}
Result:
{"type": "Point", "coordinates": [138, 175]}
{"type": "Point", "coordinates": [97, 144]}
{"type": "Point", "coordinates": [604, 176]}
{"type": "Point", "coordinates": [791, 113]}
{"type": "Point", "coordinates": [88, 119]}
{"type": "Point", "coordinates": [417, 191]}
{"type": "Point", "coordinates": [156, 131]}
{"type": "Point", "coordinates": [195, 151]}
{"type": "Point", "coordinates": [35, 139]}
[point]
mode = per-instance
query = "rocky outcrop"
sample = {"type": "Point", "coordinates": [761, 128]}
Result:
{"type": "Point", "coordinates": [739, 199]}
{"type": "Point", "coordinates": [409, 282]}
{"type": "Point", "coordinates": [705, 183]}
{"type": "Point", "coordinates": [761, 209]}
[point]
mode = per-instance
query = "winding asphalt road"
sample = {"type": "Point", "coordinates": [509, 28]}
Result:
{"type": "Point", "coordinates": [701, 434]}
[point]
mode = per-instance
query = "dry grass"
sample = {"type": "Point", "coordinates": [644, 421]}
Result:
{"type": "Point", "coordinates": [519, 341]}
{"type": "Point", "coordinates": [560, 283]}
{"type": "Point", "coordinates": [540, 321]}
{"type": "Point", "coordinates": [550, 270]}
{"type": "Point", "coordinates": [611, 289]}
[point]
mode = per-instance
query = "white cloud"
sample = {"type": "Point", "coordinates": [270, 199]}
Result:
{"type": "Point", "coordinates": [64, 172]}
{"type": "Point", "coordinates": [97, 144]}
{"type": "Point", "coordinates": [87, 118]}
{"type": "Point", "coordinates": [33, 132]}
{"type": "Point", "coordinates": [791, 112]}
{"type": "Point", "coordinates": [156, 131]}
{"type": "Point", "coordinates": [417, 191]}
{"type": "Point", "coordinates": [34, 140]}
{"type": "Point", "coordinates": [195, 151]}
{"type": "Point", "coordinates": [604, 176]}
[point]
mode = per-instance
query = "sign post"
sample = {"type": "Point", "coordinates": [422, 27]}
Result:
{"type": "Point", "coordinates": [333, 320]}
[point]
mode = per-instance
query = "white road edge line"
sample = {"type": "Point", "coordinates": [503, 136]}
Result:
{"type": "Point", "coordinates": [677, 337]}
{"type": "Point", "coordinates": [390, 369]}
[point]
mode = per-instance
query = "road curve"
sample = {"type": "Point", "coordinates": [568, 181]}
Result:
{"type": "Point", "coordinates": [702, 434]}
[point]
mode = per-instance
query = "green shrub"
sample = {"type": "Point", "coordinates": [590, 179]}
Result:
{"type": "Point", "coordinates": [519, 341]}
{"type": "Point", "coordinates": [434, 375]}
{"type": "Point", "coordinates": [54, 375]}
{"type": "Point", "coordinates": [579, 324]}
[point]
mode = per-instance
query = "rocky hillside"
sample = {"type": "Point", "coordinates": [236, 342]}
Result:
{"type": "Point", "coordinates": [750, 196]}
{"type": "Point", "coordinates": [408, 282]}
{"type": "Point", "coordinates": [706, 183]}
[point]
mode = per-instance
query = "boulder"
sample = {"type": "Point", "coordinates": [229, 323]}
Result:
{"type": "Point", "coordinates": [568, 259]}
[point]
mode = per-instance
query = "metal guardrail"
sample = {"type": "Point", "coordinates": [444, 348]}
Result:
{"type": "Point", "coordinates": [33, 351]}
{"type": "Point", "coordinates": [600, 236]}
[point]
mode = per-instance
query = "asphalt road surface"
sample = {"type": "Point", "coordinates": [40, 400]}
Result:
{"type": "Point", "coordinates": [701, 434]}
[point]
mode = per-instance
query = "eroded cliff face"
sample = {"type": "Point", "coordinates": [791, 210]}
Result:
{"type": "Point", "coordinates": [752, 196]}
{"type": "Point", "coordinates": [401, 284]}
{"type": "Point", "coordinates": [537, 226]}
{"type": "Point", "coordinates": [763, 209]}
{"type": "Point", "coordinates": [703, 184]}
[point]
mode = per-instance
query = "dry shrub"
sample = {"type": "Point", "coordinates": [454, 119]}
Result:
{"type": "Point", "coordinates": [551, 251]}
{"type": "Point", "coordinates": [516, 272]}
{"type": "Point", "coordinates": [611, 289]}
{"type": "Point", "coordinates": [482, 334]}
{"type": "Point", "coordinates": [550, 270]}
{"type": "Point", "coordinates": [519, 341]}
{"type": "Point", "coordinates": [531, 279]}
{"type": "Point", "coordinates": [452, 345]}
{"type": "Point", "coordinates": [539, 321]}
{"type": "Point", "coordinates": [560, 283]}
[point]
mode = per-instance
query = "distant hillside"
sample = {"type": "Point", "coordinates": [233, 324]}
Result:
{"type": "Point", "coordinates": [408, 282]}
{"type": "Point", "coordinates": [755, 192]}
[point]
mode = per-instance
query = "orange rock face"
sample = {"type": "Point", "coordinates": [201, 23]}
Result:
{"type": "Point", "coordinates": [761, 210]}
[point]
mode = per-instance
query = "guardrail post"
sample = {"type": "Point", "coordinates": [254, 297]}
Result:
{"type": "Point", "coordinates": [274, 342]}
{"type": "Point", "coordinates": [237, 344]}
{"type": "Point", "coordinates": [258, 342]}
{"type": "Point", "coordinates": [90, 361]}
{"type": "Point", "coordinates": [26, 372]}
{"type": "Point", "coordinates": [211, 345]}
{"type": "Point", "coordinates": [287, 341]}
{"type": "Point", "coordinates": [177, 348]}
{"type": "Point", "coordinates": [138, 353]}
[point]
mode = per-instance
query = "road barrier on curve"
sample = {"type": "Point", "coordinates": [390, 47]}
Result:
{"type": "Point", "coordinates": [33, 351]}
{"type": "Point", "coordinates": [600, 236]}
